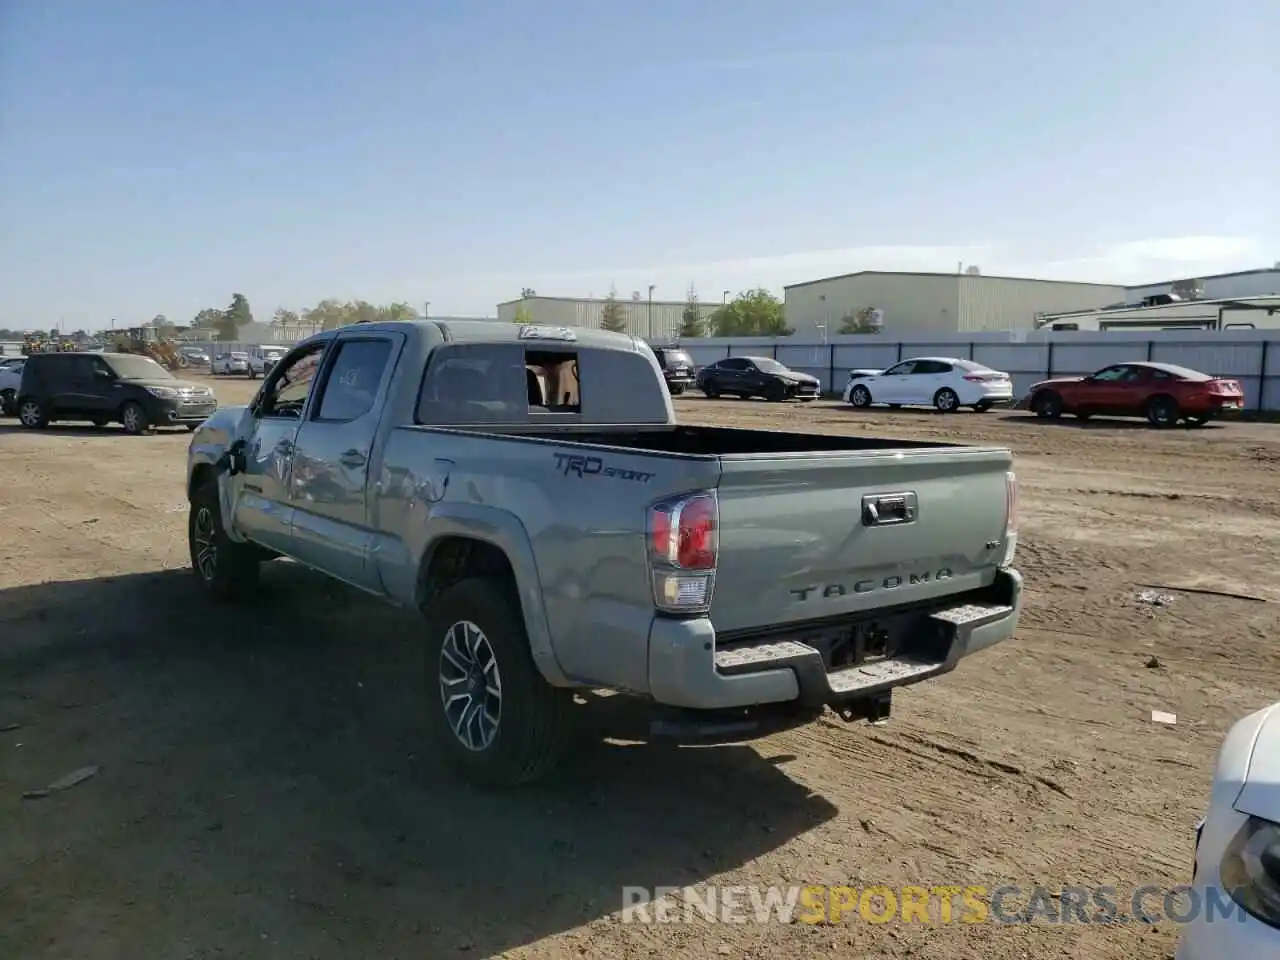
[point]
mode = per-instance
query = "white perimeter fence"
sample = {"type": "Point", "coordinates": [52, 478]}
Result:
{"type": "Point", "coordinates": [1244, 355]}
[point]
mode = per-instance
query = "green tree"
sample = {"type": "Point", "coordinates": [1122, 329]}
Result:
{"type": "Point", "coordinates": [163, 328]}
{"type": "Point", "coordinates": [234, 317]}
{"type": "Point", "coordinates": [284, 318]}
{"type": "Point", "coordinates": [398, 311]}
{"type": "Point", "coordinates": [611, 317]}
{"type": "Point", "coordinates": [327, 314]}
{"type": "Point", "coordinates": [207, 319]}
{"type": "Point", "coordinates": [691, 324]}
{"type": "Point", "coordinates": [753, 313]}
{"type": "Point", "coordinates": [859, 321]}
{"type": "Point", "coordinates": [523, 315]}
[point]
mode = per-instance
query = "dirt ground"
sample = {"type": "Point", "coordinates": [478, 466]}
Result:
{"type": "Point", "coordinates": [265, 789]}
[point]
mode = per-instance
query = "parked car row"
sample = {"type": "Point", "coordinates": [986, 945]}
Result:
{"type": "Point", "coordinates": [103, 388]}
{"type": "Point", "coordinates": [253, 364]}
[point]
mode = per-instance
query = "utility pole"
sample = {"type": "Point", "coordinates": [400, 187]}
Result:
{"type": "Point", "coordinates": [426, 309]}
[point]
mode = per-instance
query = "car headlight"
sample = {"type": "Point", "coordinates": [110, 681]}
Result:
{"type": "Point", "coordinates": [164, 393]}
{"type": "Point", "coordinates": [1251, 869]}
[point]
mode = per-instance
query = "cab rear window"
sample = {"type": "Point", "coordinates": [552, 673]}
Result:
{"type": "Point", "coordinates": [511, 383]}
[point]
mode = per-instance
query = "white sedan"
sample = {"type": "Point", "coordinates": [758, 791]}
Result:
{"type": "Point", "coordinates": [1235, 891]}
{"type": "Point", "coordinates": [229, 363]}
{"type": "Point", "coordinates": [942, 382]}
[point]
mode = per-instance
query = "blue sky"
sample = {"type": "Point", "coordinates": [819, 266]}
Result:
{"type": "Point", "coordinates": [156, 156]}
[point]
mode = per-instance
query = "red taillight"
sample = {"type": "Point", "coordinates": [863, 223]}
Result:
{"type": "Point", "coordinates": [682, 533]}
{"type": "Point", "coordinates": [974, 378]}
{"type": "Point", "coordinates": [683, 552]}
{"type": "Point", "coordinates": [696, 549]}
{"type": "Point", "coordinates": [660, 532]}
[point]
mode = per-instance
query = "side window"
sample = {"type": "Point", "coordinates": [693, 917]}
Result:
{"type": "Point", "coordinates": [81, 368]}
{"type": "Point", "coordinates": [475, 383]}
{"type": "Point", "coordinates": [354, 377]}
{"type": "Point", "coordinates": [285, 395]}
{"type": "Point", "coordinates": [1160, 375]}
{"type": "Point", "coordinates": [901, 369]}
{"type": "Point", "coordinates": [735, 363]}
{"type": "Point", "coordinates": [1110, 374]}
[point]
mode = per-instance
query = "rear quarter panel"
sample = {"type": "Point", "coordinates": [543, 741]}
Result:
{"type": "Point", "coordinates": [576, 539]}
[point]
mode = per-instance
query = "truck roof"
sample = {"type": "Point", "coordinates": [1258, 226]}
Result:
{"type": "Point", "coordinates": [496, 331]}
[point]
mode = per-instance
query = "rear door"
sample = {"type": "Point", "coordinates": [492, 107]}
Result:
{"type": "Point", "coordinates": [798, 540]}
{"type": "Point", "coordinates": [331, 458]}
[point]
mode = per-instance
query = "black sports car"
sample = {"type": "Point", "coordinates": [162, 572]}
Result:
{"type": "Point", "coordinates": [756, 377]}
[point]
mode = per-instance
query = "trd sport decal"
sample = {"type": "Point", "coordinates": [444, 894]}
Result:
{"type": "Point", "coordinates": [576, 465]}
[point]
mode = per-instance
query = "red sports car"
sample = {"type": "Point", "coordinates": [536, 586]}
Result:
{"type": "Point", "coordinates": [1161, 392]}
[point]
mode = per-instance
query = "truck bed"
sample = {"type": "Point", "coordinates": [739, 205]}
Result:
{"type": "Point", "coordinates": [805, 526]}
{"type": "Point", "coordinates": [714, 441]}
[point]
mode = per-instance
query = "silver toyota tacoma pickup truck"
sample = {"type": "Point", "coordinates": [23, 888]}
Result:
{"type": "Point", "coordinates": [528, 491]}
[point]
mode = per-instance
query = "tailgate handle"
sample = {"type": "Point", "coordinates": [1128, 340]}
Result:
{"type": "Point", "coordinates": [885, 509]}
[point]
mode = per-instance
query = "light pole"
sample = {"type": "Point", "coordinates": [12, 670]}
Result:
{"type": "Point", "coordinates": [649, 320]}
{"type": "Point", "coordinates": [724, 299]}
{"type": "Point", "coordinates": [426, 309]}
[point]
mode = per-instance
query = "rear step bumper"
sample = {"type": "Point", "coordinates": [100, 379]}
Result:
{"type": "Point", "coordinates": [687, 670]}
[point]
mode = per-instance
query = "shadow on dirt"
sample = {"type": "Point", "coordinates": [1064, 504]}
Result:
{"type": "Point", "coordinates": [86, 430]}
{"type": "Point", "coordinates": [1098, 423]}
{"type": "Point", "coordinates": [265, 779]}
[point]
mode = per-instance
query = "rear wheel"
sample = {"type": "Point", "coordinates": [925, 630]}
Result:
{"type": "Point", "coordinates": [677, 389]}
{"type": "Point", "coordinates": [32, 414]}
{"type": "Point", "coordinates": [1047, 405]}
{"type": "Point", "coordinates": [860, 396]}
{"type": "Point", "coordinates": [491, 712]}
{"type": "Point", "coordinates": [775, 393]}
{"type": "Point", "coordinates": [1162, 412]}
{"type": "Point", "coordinates": [709, 389]}
{"type": "Point", "coordinates": [946, 400]}
{"type": "Point", "coordinates": [981, 407]}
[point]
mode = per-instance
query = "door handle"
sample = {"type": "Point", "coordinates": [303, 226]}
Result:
{"type": "Point", "coordinates": [352, 458]}
{"type": "Point", "coordinates": [881, 510]}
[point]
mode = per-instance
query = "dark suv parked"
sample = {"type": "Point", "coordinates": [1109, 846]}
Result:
{"type": "Point", "coordinates": [677, 368]}
{"type": "Point", "coordinates": [104, 387]}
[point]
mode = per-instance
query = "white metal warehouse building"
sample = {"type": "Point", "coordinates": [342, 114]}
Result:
{"type": "Point", "coordinates": [915, 303]}
{"type": "Point", "coordinates": [651, 319]}
{"type": "Point", "coordinates": [1219, 286]}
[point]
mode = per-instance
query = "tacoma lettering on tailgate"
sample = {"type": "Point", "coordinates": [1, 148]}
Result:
{"type": "Point", "coordinates": [577, 465]}
{"type": "Point", "coordinates": [829, 590]}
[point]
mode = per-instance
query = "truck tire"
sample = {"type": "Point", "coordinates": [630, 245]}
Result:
{"type": "Point", "coordinates": [228, 570]}
{"type": "Point", "coordinates": [491, 712]}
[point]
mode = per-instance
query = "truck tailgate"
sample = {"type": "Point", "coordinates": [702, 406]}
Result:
{"type": "Point", "coordinates": [821, 535]}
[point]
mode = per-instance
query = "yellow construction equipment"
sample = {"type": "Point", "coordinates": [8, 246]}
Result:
{"type": "Point", "coordinates": [143, 341]}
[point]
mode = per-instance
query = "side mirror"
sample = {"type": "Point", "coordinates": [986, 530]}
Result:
{"type": "Point", "coordinates": [103, 374]}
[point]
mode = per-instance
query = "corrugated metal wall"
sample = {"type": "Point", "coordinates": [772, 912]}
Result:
{"type": "Point", "coordinates": [1264, 283]}
{"type": "Point", "coordinates": [1000, 303]}
{"type": "Point", "coordinates": [918, 303]}
{"type": "Point", "coordinates": [912, 303]}
{"type": "Point", "coordinates": [663, 323]}
{"type": "Point", "coordinates": [1245, 355]}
